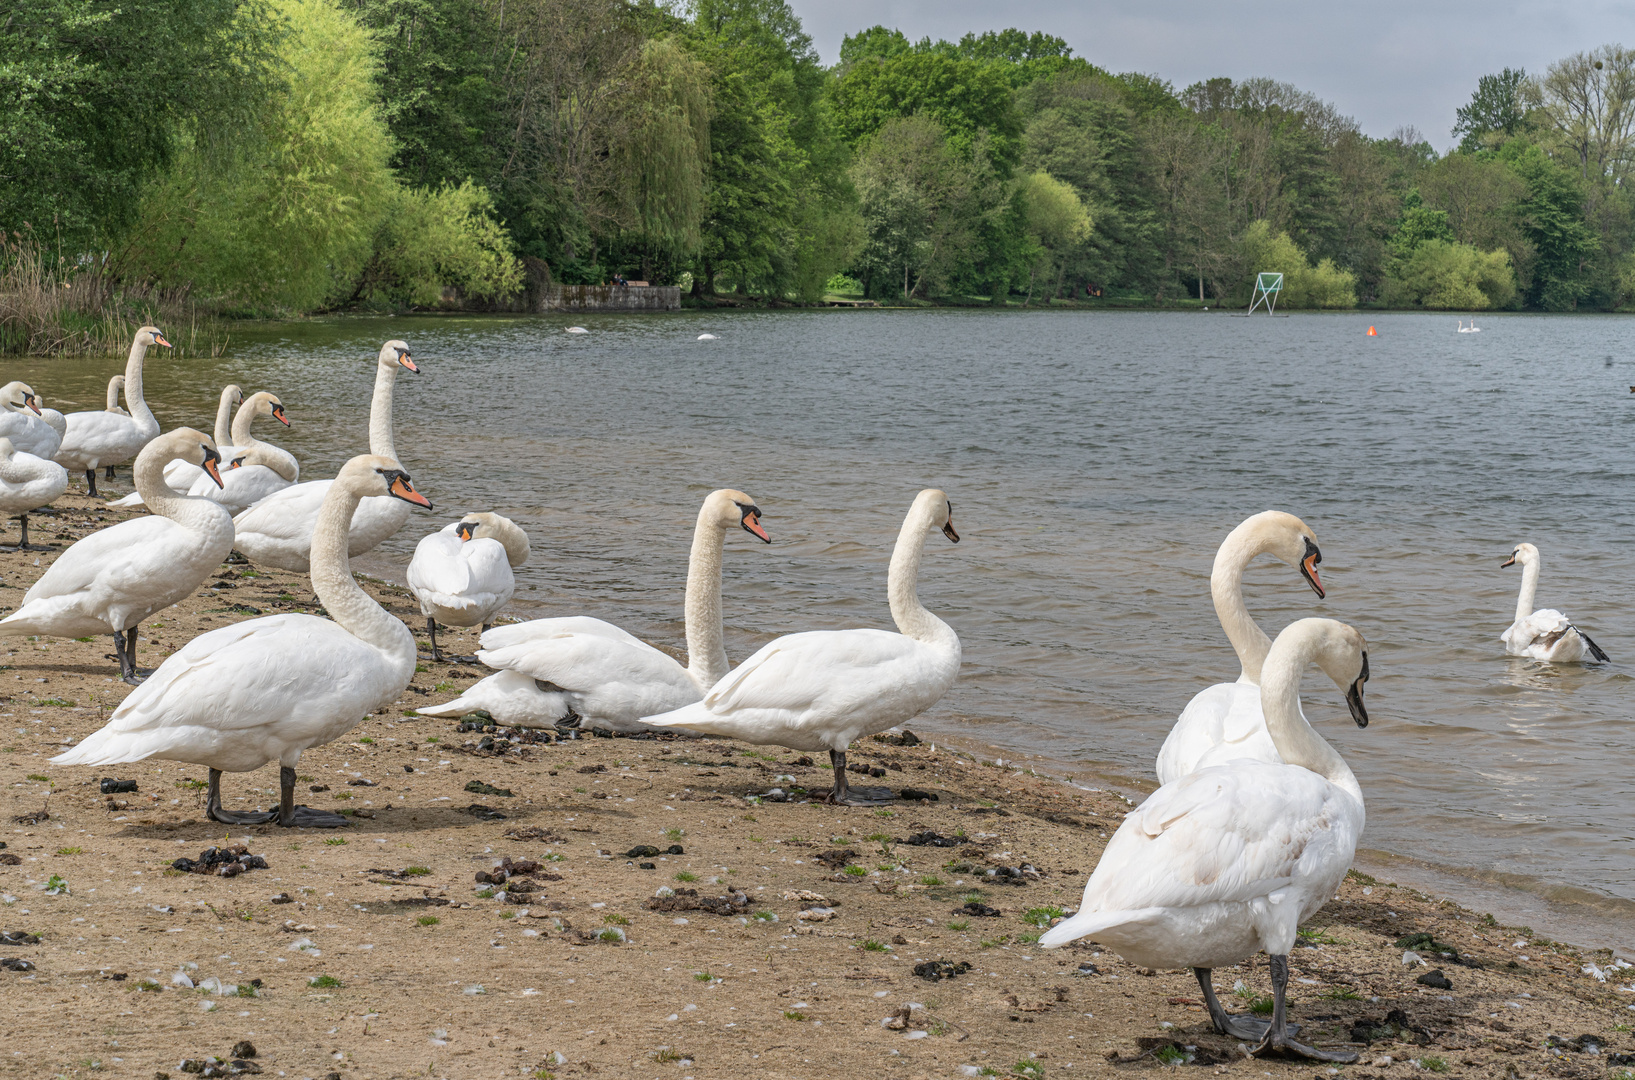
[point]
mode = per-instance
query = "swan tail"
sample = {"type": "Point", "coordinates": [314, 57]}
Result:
{"type": "Point", "coordinates": [1595, 650]}
{"type": "Point", "coordinates": [133, 499]}
{"type": "Point", "coordinates": [695, 716]}
{"type": "Point", "coordinates": [107, 747]}
{"type": "Point", "coordinates": [1086, 923]}
{"type": "Point", "coordinates": [511, 698]}
{"type": "Point", "coordinates": [458, 707]}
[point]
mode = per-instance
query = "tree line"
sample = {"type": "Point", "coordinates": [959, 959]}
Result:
{"type": "Point", "coordinates": [268, 156]}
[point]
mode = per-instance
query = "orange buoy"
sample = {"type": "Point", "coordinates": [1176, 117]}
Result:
{"type": "Point", "coordinates": [1371, 332]}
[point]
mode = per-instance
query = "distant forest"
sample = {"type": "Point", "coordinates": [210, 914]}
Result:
{"type": "Point", "coordinates": [281, 156]}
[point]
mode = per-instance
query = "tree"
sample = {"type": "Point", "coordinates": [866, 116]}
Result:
{"type": "Point", "coordinates": [664, 152]}
{"type": "Point", "coordinates": [1588, 100]}
{"type": "Point", "coordinates": [963, 96]}
{"type": "Point", "coordinates": [1057, 223]}
{"type": "Point", "coordinates": [1420, 223]}
{"type": "Point", "coordinates": [1495, 107]}
{"type": "Point", "coordinates": [1451, 276]}
{"type": "Point", "coordinates": [1551, 218]}
{"type": "Point", "coordinates": [1304, 286]}
{"type": "Point", "coordinates": [918, 200]}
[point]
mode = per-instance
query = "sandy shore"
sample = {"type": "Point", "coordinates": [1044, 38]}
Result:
{"type": "Point", "coordinates": [376, 953]}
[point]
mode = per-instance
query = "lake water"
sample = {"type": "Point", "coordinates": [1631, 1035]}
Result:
{"type": "Point", "coordinates": [1094, 462]}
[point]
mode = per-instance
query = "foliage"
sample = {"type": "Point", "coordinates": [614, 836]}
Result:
{"type": "Point", "coordinates": [1495, 108]}
{"type": "Point", "coordinates": [1057, 223]}
{"type": "Point", "coordinates": [1304, 286]}
{"type": "Point", "coordinates": [429, 239]}
{"type": "Point", "coordinates": [1451, 276]}
{"type": "Point", "coordinates": [916, 196]}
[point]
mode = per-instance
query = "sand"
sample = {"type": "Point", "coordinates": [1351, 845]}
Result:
{"type": "Point", "coordinates": [373, 951]}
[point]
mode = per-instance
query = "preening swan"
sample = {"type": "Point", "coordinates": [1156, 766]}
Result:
{"type": "Point", "coordinates": [1544, 634]}
{"type": "Point", "coordinates": [277, 531]}
{"type": "Point", "coordinates": [462, 575]}
{"type": "Point", "coordinates": [1229, 860]}
{"type": "Point", "coordinates": [1228, 714]}
{"type": "Point", "coordinates": [110, 581]}
{"type": "Point", "coordinates": [583, 671]}
{"type": "Point", "coordinates": [21, 421]}
{"type": "Point", "coordinates": [105, 438]}
{"type": "Point", "coordinates": [281, 468]}
{"type": "Point", "coordinates": [266, 689]}
{"type": "Point", "coordinates": [822, 689]}
{"type": "Point", "coordinates": [27, 483]}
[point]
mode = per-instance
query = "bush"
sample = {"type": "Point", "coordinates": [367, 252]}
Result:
{"type": "Point", "coordinates": [429, 239]}
{"type": "Point", "coordinates": [1304, 286]}
{"type": "Point", "coordinates": [1447, 276]}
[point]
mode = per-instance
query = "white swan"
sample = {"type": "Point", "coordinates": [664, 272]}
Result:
{"type": "Point", "coordinates": [822, 689]}
{"type": "Point", "coordinates": [115, 385]}
{"type": "Point", "coordinates": [577, 330]}
{"type": "Point", "coordinates": [235, 443]}
{"type": "Point", "coordinates": [58, 423]}
{"type": "Point", "coordinates": [266, 689]}
{"type": "Point", "coordinates": [1227, 715]}
{"type": "Point", "coordinates": [21, 421]}
{"type": "Point", "coordinates": [580, 670]}
{"type": "Point", "coordinates": [277, 531]}
{"type": "Point", "coordinates": [708, 337]}
{"type": "Point", "coordinates": [27, 483]}
{"type": "Point", "coordinates": [110, 581]}
{"type": "Point", "coordinates": [463, 574]}
{"type": "Point", "coordinates": [1544, 634]}
{"type": "Point", "coordinates": [1471, 329]}
{"type": "Point", "coordinates": [1229, 860]}
{"type": "Point", "coordinates": [101, 437]}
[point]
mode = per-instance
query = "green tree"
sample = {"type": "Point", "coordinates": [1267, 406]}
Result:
{"type": "Point", "coordinates": [1419, 224]}
{"type": "Point", "coordinates": [1495, 108]}
{"type": "Point", "coordinates": [1551, 219]}
{"type": "Point", "coordinates": [1058, 225]}
{"type": "Point", "coordinates": [1450, 276]}
{"type": "Point", "coordinates": [1304, 285]}
{"type": "Point", "coordinates": [919, 205]}
{"type": "Point", "coordinates": [964, 97]}
{"type": "Point", "coordinates": [664, 154]}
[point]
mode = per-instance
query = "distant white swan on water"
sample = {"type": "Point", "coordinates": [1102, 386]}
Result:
{"type": "Point", "coordinates": [1544, 634]}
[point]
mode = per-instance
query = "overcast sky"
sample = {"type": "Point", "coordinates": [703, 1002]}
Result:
{"type": "Point", "coordinates": [1385, 62]}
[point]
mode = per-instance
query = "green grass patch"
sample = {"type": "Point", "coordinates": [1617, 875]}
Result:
{"type": "Point", "coordinates": [930, 879]}
{"type": "Point", "coordinates": [960, 924]}
{"type": "Point", "coordinates": [790, 1014]}
{"type": "Point", "coordinates": [428, 920]}
{"type": "Point", "coordinates": [686, 875]}
{"type": "Point", "coordinates": [70, 851]}
{"type": "Point", "coordinates": [1433, 1064]}
{"type": "Point", "coordinates": [324, 982]}
{"type": "Point", "coordinates": [615, 920]}
{"type": "Point", "coordinates": [334, 841]}
{"type": "Point", "coordinates": [416, 871]}
{"type": "Point", "coordinates": [856, 871]}
{"type": "Point", "coordinates": [870, 945]}
{"type": "Point", "coordinates": [39, 778]}
{"type": "Point", "coordinates": [1340, 993]}
{"type": "Point", "coordinates": [367, 741]}
{"type": "Point", "coordinates": [1042, 916]}
{"type": "Point", "coordinates": [56, 702]}
{"type": "Point", "coordinates": [703, 976]}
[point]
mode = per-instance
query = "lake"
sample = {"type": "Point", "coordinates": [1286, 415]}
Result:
{"type": "Point", "coordinates": [1094, 462]}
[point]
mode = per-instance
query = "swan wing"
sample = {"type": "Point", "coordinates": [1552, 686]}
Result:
{"type": "Point", "coordinates": [609, 682]}
{"type": "Point", "coordinates": [286, 515]}
{"type": "Point", "coordinates": [129, 552]}
{"type": "Point", "coordinates": [799, 672]}
{"type": "Point", "coordinates": [511, 698]}
{"type": "Point", "coordinates": [503, 637]}
{"type": "Point", "coordinates": [437, 566]}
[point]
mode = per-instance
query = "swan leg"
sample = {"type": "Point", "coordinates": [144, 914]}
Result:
{"type": "Point", "coordinates": [1278, 1040]}
{"type": "Point", "coordinates": [843, 793]}
{"type": "Point", "coordinates": [108, 472]}
{"type": "Point", "coordinates": [128, 671]}
{"type": "Point", "coordinates": [24, 545]}
{"type": "Point", "coordinates": [213, 810]}
{"type": "Point", "coordinates": [302, 817]}
{"type": "Point", "coordinates": [431, 628]}
{"type": "Point", "coordinates": [91, 481]}
{"type": "Point", "coordinates": [1250, 1028]}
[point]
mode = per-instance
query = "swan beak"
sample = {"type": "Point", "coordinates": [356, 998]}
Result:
{"type": "Point", "coordinates": [404, 489]}
{"type": "Point", "coordinates": [278, 414]}
{"type": "Point", "coordinates": [238, 463]}
{"type": "Point", "coordinates": [160, 339]}
{"type": "Point", "coordinates": [465, 530]}
{"type": "Point", "coordinates": [212, 465]}
{"type": "Point", "coordinates": [1308, 570]}
{"type": "Point", "coordinates": [28, 399]}
{"type": "Point", "coordinates": [1508, 562]}
{"type": "Point", "coordinates": [752, 523]}
{"type": "Point", "coordinates": [1354, 696]}
{"type": "Point", "coordinates": [408, 362]}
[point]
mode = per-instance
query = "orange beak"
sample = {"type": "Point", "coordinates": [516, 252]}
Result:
{"type": "Point", "coordinates": [404, 490]}
{"type": "Point", "coordinates": [408, 362]}
{"type": "Point", "coordinates": [1308, 566]}
{"type": "Point", "coordinates": [28, 399]}
{"type": "Point", "coordinates": [278, 414]}
{"type": "Point", "coordinates": [160, 339]}
{"type": "Point", "coordinates": [752, 522]}
{"type": "Point", "coordinates": [212, 462]}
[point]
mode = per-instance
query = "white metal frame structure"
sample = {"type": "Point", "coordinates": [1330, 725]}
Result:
{"type": "Point", "coordinates": [1267, 286]}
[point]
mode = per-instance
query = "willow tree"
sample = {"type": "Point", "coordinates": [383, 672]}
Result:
{"type": "Point", "coordinates": [662, 155]}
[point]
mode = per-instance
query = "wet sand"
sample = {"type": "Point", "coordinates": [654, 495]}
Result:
{"type": "Point", "coordinates": [575, 969]}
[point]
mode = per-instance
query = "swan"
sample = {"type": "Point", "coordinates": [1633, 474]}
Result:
{"type": "Point", "coordinates": [21, 421]}
{"type": "Point", "coordinates": [822, 689]}
{"type": "Point", "coordinates": [1471, 329]}
{"type": "Point", "coordinates": [1229, 860]}
{"type": "Point", "coordinates": [27, 483]}
{"type": "Point", "coordinates": [462, 575]}
{"type": "Point", "coordinates": [577, 330]}
{"type": "Point", "coordinates": [708, 337]}
{"type": "Point", "coordinates": [266, 689]}
{"type": "Point", "coordinates": [57, 422]}
{"type": "Point", "coordinates": [589, 672]}
{"type": "Point", "coordinates": [180, 473]}
{"type": "Point", "coordinates": [104, 438]}
{"type": "Point", "coordinates": [1544, 634]}
{"type": "Point", "coordinates": [277, 531]}
{"type": "Point", "coordinates": [115, 385]}
{"type": "Point", "coordinates": [110, 581]}
{"type": "Point", "coordinates": [1228, 714]}
{"type": "Point", "coordinates": [233, 443]}
{"type": "Point", "coordinates": [250, 476]}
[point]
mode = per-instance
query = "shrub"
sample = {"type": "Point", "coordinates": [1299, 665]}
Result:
{"type": "Point", "coordinates": [1304, 286]}
{"type": "Point", "coordinates": [1448, 276]}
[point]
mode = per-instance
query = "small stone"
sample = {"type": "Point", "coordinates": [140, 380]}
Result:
{"type": "Point", "coordinates": [282, 898]}
{"type": "Point", "coordinates": [1435, 979]}
{"type": "Point", "coordinates": [641, 851]}
{"type": "Point", "coordinates": [244, 1049]}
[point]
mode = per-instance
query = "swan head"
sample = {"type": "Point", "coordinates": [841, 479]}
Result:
{"type": "Point", "coordinates": [1287, 539]}
{"type": "Point", "coordinates": [1524, 555]}
{"type": "Point", "coordinates": [494, 527]}
{"type": "Point", "coordinates": [1342, 653]}
{"type": "Point", "coordinates": [266, 404]}
{"type": "Point", "coordinates": [193, 447]}
{"type": "Point", "coordinates": [152, 335]}
{"type": "Point", "coordinates": [261, 454]}
{"type": "Point", "coordinates": [375, 474]}
{"type": "Point", "coordinates": [18, 396]}
{"type": "Point", "coordinates": [933, 504]}
{"type": "Point", "coordinates": [231, 392]}
{"type": "Point", "coordinates": [727, 508]}
{"type": "Point", "coordinates": [395, 354]}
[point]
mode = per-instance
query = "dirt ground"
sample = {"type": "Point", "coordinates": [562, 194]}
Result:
{"type": "Point", "coordinates": [789, 949]}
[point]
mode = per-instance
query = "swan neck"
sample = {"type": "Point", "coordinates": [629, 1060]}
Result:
{"type": "Point", "coordinates": [1296, 742]}
{"type": "Point", "coordinates": [706, 643]}
{"type": "Point", "coordinates": [11, 470]}
{"type": "Point", "coordinates": [1529, 590]}
{"type": "Point", "coordinates": [148, 473]}
{"type": "Point", "coordinates": [902, 581]}
{"type": "Point", "coordinates": [224, 412]}
{"type": "Point", "coordinates": [380, 413]}
{"type": "Point", "coordinates": [1248, 640]}
{"type": "Point", "coordinates": [133, 387]}
{"type": "Point", "coordinates": [332, 581]}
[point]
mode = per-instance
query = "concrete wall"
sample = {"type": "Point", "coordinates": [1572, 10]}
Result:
{"type": "Point", "coordinates": [578, 298]}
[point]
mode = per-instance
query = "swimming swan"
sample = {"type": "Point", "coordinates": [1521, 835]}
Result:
{"type": "Point", "coordinates": [462, 574]}
{"type": "Point", "coordinates": [1229, 860]}
{"type": "Point", "coordinates": [100, 437]}
{"type": "Point", "coordinates": [266, 689]}
{"type": "Point", "coordinates": [1544, 634]}
{"type": "Point", "coordinates": [114, 578]}
{"type": "Point", "coordinates": [1228, 715]}
{"type": "Point", "coordinates": [589, 673]}
{"type": "Point", "coordinates": [822, 689]}
{"type": "Point", "coordinates": [27, 483]}
{"type": "Point", "coordinates": [277, 531]}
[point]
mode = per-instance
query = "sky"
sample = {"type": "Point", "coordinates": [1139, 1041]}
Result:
{"type": "Point", "coordinates": [1387, 63]}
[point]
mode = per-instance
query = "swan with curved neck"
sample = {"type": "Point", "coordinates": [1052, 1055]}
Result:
{"type": "Point", "coordinates": [100, 437]}
{"type": "Point", "coordinates": [1545, 634]}
{"type": "Point", "coordinates": [1229, 713]}
{"type": "Point", "coordinates": [272, 468]}
{"type": "Point", "coordinates": [27, 482]}
{"type": "Point", "coordinates": [114, 578]}
{"type": "Point", "coordinates": [823, 689]}
{"type": "Point", "coordinates": [231, 395]}
{"type": "Point", "coordinates": [277, 531]}
{"type": "Point", "coordinates": [1227, 861]}
{"type": "Point", "coordinates": [22, 420]}
{"type": "Point", "coordinates": [269, 688]}
{"type": "Point", "coordinates": [115, 385]}
{"type": "Point", "coordinates": [462, 575]}
{"type": "Point", "coordinates": [581, 671]}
